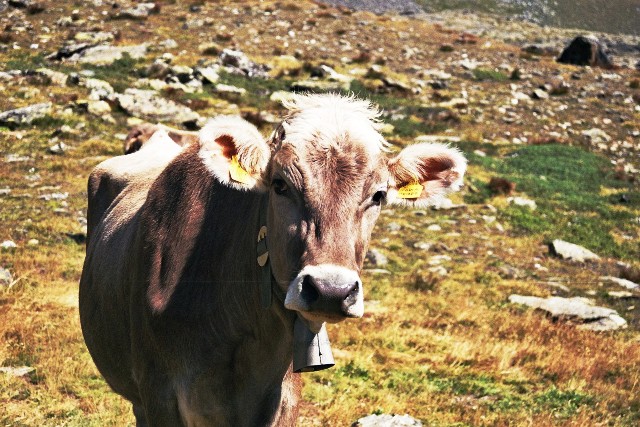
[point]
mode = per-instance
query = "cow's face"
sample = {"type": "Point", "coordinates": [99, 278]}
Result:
{"type": "Point", "coordinates": [327, 175]}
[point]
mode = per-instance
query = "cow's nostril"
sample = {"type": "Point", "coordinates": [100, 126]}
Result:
{"type": "Point", "coordinates": [351, 296]}
{"type": "Point", "coordinates": [309, 292]}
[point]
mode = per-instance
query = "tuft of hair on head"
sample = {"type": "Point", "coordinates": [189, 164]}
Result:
{"type": "Point", "coordinates": [347, 108]}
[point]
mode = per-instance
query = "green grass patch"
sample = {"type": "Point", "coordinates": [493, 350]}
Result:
{"type": "Point", "coordinates": [563, 404]}
{"type": "Point", "coordinates": [486, 74]}
{"type": "Point", "coordinates": [21, 60]}
{"type": "Point", "coordinates": [566, 183]}
{"type": "Point", "coordinates": [120, 74]}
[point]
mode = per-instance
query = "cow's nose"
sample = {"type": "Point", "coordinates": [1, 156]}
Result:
{"type": "Point", "coordinates": [326, 291]}
{"type": "Point", "coordinates": [326, 296]}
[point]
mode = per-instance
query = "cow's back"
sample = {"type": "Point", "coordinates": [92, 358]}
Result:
{"type": "Point", "coordinates": [118, 188]}
{"type": "Point", "coordinates": [112, 176]}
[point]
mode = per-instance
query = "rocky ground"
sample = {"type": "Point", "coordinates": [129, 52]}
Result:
{"type": "Point", "coordinates": [554, 155]}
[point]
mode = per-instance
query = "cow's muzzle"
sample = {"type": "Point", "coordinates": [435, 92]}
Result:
{"type": "Point", "coordinates": [326, 292]}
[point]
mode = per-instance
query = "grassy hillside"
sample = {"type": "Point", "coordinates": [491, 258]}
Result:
{"type": "Point", "coordinates": [439, 339]}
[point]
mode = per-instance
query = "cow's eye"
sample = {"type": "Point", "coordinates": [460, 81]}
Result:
{"type": "Point", "coordinates": [378, 198]}
{"type": "Point", "coordinates": [279, 186]}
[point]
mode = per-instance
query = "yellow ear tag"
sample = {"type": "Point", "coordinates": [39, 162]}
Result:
{"type": "Point", "coordinates": [238, 173]}
{"type": "Point", "coordinates": [412, 190]}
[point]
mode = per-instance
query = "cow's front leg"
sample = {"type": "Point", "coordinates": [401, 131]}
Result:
{"type": "Point", "coordinates": [159, 402]}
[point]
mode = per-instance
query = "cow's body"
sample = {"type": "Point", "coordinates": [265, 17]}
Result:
{"type": "Point", "coordinates": [169, 298]}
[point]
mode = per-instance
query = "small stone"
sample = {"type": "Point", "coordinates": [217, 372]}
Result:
{"type": "Point", "coordinates": [628, 284]}
{"type": "Point", "coordinates": [140, 11]}
{"type": "Point", "coordinates": [621, 294]}
{"type": "Point", "coordinates": [434, 227]}
{"type": "Point", "coordinates": [25, 115]}
{"type": "Point", "coordinates": [8, 244]}
{"type": "Point", "coordinates": [228, 91]}
{"type": "Point", "coordinates": [5, 191]}
{"type": "Point", "coordinates": [540, 94]}
{"type": "Point", "coordinates": [394, 226]}
{"type": "Point", "coordinates": [19, 371]}
{"type": "Point", "coordinates": [98, 108]}
{"type": "Point", "coordinates": [425, 246]}
{"type": "Point", "coordinates": [571, 251]}
{"type": "Point", "coordinates": [386, 420]}
{"type": "Point", "coordinates": [319, 86]}
{"type": "Point", "coordinates": [209, 74]}
{"type": "Point", "coordinates": [596, 136]}
{"type": "Point", "coordinates": [33, 242]}
{"type": "Point", "coordinates": [376, 258]}
{"type": "Point", "coordinates": [575, 309]}
{"type": "Point", "coordinates": [59, 148]}
{"type": "Point", "coordinates": [521, 201]}
{"type": "Point", "coordinates": [6, 278]}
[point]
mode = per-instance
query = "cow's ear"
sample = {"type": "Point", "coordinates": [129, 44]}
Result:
{"type": "Point", "coordinates": [423, 173]}
{"type": "Point", "coordinates": [235, 152]}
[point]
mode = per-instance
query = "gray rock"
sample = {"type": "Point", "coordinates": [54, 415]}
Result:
{"type": "Point", "coordinates": [58, 148]}
{"type": "Point", "coordinates": [25, 115]}
{"type": "Point", "coordinates": [312, 85]}
{"type": "Point", "coordinates": [628, 284]}
{"type": "Point", "coordinates": [105, 55]}
{"type": "Point", "coordinates": [146, 104]}
{"type": "Point", "coordinates": [571, 251]}
{"type": "Point", "coordinates": [386, 420]}
{"type": "Point", "coordinates": [239, 63]}
{"type": "Point", "coordinates": [8, 244]}
{"type": "Point", "coordinates": [5, 277]}
{"type": "Point", "coordinates": [585, 50]}
{"type": "Point", "coordinates": [596, 136]}
{"type": "Point", "coordinates": [209, 74]}
{"type": "Point", "coordinates": [521, 201]}
{"type": "Point", "coordinates": [575, 309]}
{"type": "Point", "coordinates": [394, 226]}
{"type": "Point", "coordinates": [93, 37]}
{"type": "Point", "coordinates": [540, 94]}
{"type": "Point", "coordinates": [376, 258]}
{"type": "Point", "coordinates": [5, 191]}
{"type": "Point", "coordinates": [230, 92]}
{"type": "Point", "coordinates": [16, 371]}
{"type": "Point", "coordinates": [57, 78]}
{"type": "Point", "coordinates": [69, 50]}
{"type": "Point", "coordinates": [138, 12]}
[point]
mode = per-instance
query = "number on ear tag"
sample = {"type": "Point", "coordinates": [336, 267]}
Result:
{"type": "Point", "coordinates": [412, 190]}
{"type": "Point", "coordinates": [238, 173]}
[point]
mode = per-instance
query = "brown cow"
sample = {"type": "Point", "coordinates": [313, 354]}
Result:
{"type": "Point", "coordinates": [170, 300]}
{"type": "Point", "coordinates": [140, 134]}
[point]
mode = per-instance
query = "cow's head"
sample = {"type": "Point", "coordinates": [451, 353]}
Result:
{"type": "Point", "coordinates": [327, 175]}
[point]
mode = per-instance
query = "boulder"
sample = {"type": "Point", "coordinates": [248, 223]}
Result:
{"type": "Point", "coordinates": [147, 105]}
{"type": "Point", "coordinates": [386, 420]}
{"type": "Point", "coordinates": [239, 63]}
{"type": "Point", "coordinates": [628, 284]}
{"type": "Point", "coordinates": [25, 115]}
{"type": "Point", "coordinates": [571, 251]}
{"type": "Point", "coordinates": [575, 309]}
{"type": "Point", "coordinates": [140, 11]}
{"type": "Point", "coordinates": [585, 50]}
{"type": "Point", "coordinates": [105, 55]}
